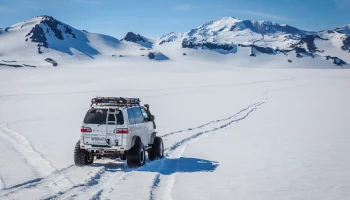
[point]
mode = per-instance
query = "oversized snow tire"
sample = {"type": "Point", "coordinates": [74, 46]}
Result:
{"type": "Point", "coordinates": [81, 156]}
{"type": "Point", "coordinates": [157, 150]}
{"type": "Point", "coordinates": [136, 156]}
{"type": "Point", "coordinates": [123, 156]}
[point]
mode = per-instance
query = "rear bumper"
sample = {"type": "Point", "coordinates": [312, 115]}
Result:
{"type": "Point", "coordinates": [102, 148]}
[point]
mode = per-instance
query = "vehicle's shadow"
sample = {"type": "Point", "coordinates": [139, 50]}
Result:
{"type": "Point", "coordinates": [165, 166]}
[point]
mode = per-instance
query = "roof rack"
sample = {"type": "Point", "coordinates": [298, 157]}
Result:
{"type": "Point", "coordinates": [115, 101]}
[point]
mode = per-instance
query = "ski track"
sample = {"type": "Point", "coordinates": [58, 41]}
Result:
{"type": "Point", "coordinates": [35, 159]}
{"type": "Point", "coordinates": [103, 176]}
{"type": "Point", "coordinates": [170, 152]}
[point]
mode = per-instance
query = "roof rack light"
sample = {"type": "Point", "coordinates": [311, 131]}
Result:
{"type": "Point", "coordinates": [119, 101]}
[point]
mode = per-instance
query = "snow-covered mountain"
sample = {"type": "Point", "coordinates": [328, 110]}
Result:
{"type": "Point", "coordinates": [45, 39]}
{"type": "Point", "coordinates": [229, 34]}
{"type": "Point", "coordinates": [44, 33]}
{"type": "Point", "coordinates": [344, 29]}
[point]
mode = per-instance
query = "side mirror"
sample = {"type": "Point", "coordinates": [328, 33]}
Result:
{"type": "Point", "coordinates": [146, 106]}
{"type": "Point", "coordinates": [151, 118]}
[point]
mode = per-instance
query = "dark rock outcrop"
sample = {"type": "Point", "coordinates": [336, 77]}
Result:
{"type": "Point", "coordinates": [209, 45]}
{"type": "Point", "coordinates": [300, 50]}
{"type": "Point", "coordinates": [252, 52]}
{"type": "Point", "coordinates": [267, 27]}
{"type": "Point", "coordinates": [336, 60]}
{"type": "Point", "coordinates": [39, 49]}
{"type": "Point", "coordinates": [38, 36]}
{"type": "Point", "coordinates": [53, 24]}
{"type": "Point", "coordinates": [309, 40]}
{"type": "Point", "coordinates": [346, 44]}
{"type": "Point", "coordinates": [132, 37]}
{"type": "Point", "coordinates": [29, 65]}
{"type": "Point", "coordinates": [6, 64]}
{"type": "Point", "coordinates": [50, 60]}
{"type": "Point", "coordinates": [267, 50]}
{"type": "Point", "coordinates": [156, 56]}
{"type": "Point", "coordinates": [151, 55]}
{"type": "Point", "coordinates": [9, 65]}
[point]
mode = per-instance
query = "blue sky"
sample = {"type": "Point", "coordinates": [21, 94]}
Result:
{"type": "Point", "coordinates": [154, 18]}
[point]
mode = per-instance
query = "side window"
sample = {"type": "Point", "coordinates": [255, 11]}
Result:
{"type": "Point", "coordinates": [131, 116]}
{"type": "Point", "coordinates": [145, 114]}
{"type": "Point", "coordinates": [138, 115]}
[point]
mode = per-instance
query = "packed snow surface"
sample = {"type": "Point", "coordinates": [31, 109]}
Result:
{"type": "Point", "coordinates": [230, 132]}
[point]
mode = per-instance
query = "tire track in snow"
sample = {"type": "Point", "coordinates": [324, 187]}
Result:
{"type": "Point", "coordinates": [208, 123]}
{"type": "Point", "coordinates": [35, 159]}
{"type": "Point", "coordinates": [180, 143]}
{"type": "Point", "coordinates": [75, 189]}
{"type": "Point", "coordinates": [54, 179]}
{"type": "Point", "coordinates": [100, 188]}
{"type": "Point", "coordinates": [109, 174]}
{"type": "Point", "coordinates": [155, 184]}
{"type": "Point", "coordinates": [177, 149]}
{"type": "Point", "coordinates": [58, 183]}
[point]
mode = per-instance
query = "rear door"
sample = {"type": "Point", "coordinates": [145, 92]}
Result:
{"type": "Point", "coordinates": [96, 129]}
{"type": "Point", "coordinates": [115, 122]}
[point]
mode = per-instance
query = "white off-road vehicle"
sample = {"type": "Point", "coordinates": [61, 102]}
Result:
{"type": "Point", "coordinates": [118, 127]}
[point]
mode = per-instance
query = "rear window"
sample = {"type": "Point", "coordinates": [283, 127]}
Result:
{"type": "Point", "coordinates": [98, 116]}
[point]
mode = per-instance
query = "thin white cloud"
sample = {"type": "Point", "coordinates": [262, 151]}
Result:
{"type": "Point", "coordinates": [91, 2]}
{"type": "Point", "coordinates": [261, 14]}
{"type": "Point", "coordinates": [183, 7]}
{"type": "Point", "coordinates": [342, 3]}
{"type": "Point", "coordinates": [5, 9]}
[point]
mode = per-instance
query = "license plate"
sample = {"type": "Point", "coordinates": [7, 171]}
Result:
{"type": "Point", "coordinates": [98, 139]}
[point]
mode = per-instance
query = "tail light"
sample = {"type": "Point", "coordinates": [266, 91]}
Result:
{"type": "Point", "coordinates": [85, 129]}
{"type": "Point", "coordinates": [122, 131]}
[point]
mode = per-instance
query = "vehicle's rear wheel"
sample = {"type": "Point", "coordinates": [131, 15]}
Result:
{"type": "Point", "coordinates": [157, 150]}
{"type": "Point", "coordinates": [136, 156]}
{"type": "Point", "coordinates": [81, 156]}
{"type": "Point", "coordinates": [123, 156]}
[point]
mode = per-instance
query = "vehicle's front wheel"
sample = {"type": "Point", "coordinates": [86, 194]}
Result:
{"type": "Point", "coordinates": [157, 150]}
{"type": "Point", "coordinates": [81, 156]}
{"type": "Point", "coordinates": [136, 156]}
